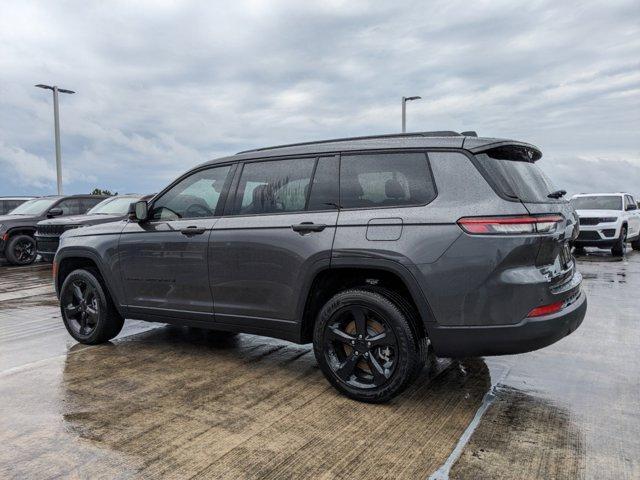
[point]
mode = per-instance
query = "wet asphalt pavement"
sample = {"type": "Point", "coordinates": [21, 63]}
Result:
{"type": "Point", "coordinates": [180, 403]}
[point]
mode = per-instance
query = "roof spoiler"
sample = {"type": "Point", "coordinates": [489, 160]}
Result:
{"type": "Point", "coordinates": [510, 150]}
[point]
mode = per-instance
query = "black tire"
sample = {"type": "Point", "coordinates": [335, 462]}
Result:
{"type": "Point", "coordinates": [620, 246]}
{"type": "Point", "coordinates": [21, 250]}
{"type": "Point", "coordinates": [368, 367]}
{"type": "Point", "coordinates": [636, 244]}
{"type": "Point", "coordinates": [579, 250]}
{"type": "Point", "coordinates": [87, 310]}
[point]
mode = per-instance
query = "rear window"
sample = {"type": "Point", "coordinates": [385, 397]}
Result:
{"type": "Point", "coordinates": [515, 174]}
{"type": "Point", "coordinates": [385, 180]}
{"type": "Point", "coordinates": [597, 202]}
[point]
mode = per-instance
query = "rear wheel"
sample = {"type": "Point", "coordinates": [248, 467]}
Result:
{"type": "Point", "coordinates": [579, 250]}
{"type": "Point", "coordinates": [620, 246]}
{"type": "Point", "coordinates": [87, 310]}
{"type": "Point", "coordinates": [636, 243]}
{"type": "Point", "coordinates": [21, 250]}
{"type": "Point", "coordinates": [365, 346]}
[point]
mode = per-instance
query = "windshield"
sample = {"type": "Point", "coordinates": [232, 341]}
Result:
{"type": "Point", "coordinates": [34, 207]}
{"type": "Point", "coordinates": [516, 175]}
{"type": "Point", "coordinates": [595, 202]}
{"type": "Point", "coordinates": [113, 206]}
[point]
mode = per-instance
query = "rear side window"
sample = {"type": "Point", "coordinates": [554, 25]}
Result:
{"type": "Point", "coordinates": [515, 174]}
{"type": "Point", "coordinates": [88, 203]}
{"type": "Point", "coordinates": [274, 186]}
{"type": "Point", "coordinates": [385, 180]}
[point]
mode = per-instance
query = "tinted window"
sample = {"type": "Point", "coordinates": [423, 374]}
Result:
{"type": "Point", "coordinates": [274, 186]}
{"type": "Point", "coordinates": [196, 196]}
{"type": "Point", "coordinates": [516, 175]}
{"type": "Point", "coordinates": [388, 179]}
{"type": "Point", "coordinates": [324, 190]}
{"type": "Point", "coordinates": [597, 202]}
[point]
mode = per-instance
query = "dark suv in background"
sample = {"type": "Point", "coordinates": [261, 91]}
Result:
{"type": "Point", "coordinates": [9, 203]}
{"type": "Point", "coordinates": [17, 228]}
{"type": "Point", "coordinates": [372, 248]}
{"type": "Point", "coordinates": [111, 209]}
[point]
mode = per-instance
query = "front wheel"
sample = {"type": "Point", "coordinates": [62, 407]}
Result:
{"type": "Point", "coordinates": [365, 346]}
{"type": "Point", "coordinates": [620, 246]}
{"type": "Point", "coordinates": [87, 310]}
{"type": "Point", "coordinates": [21, 250]}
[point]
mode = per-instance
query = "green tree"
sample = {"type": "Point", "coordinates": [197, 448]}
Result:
{"type": "Point", "coordinates": [98, 191]}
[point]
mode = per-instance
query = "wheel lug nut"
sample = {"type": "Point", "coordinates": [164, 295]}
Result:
{"type": "Point", "coordinates": [357, 353]}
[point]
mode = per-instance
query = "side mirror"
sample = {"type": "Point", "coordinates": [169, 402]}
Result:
{"type": "Point", "coordinates": [55, 212]}
{"type": "Point", "coordinates": [631, 206]}
{"type": "Point", "coordinates": [140, 211]}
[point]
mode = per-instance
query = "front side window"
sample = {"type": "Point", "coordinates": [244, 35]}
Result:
{"type": "Point", "coordinates": [274, 186]}
{"type": "Point", "coordinates": [71, 206]}
{"type": "Point", "coordinates": [385, 180]}
{"type": "Point", "coordinates": [195, 196]}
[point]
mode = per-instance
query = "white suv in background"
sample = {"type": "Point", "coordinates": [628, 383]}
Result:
{"type": "Point", "coordinates": [607, 220]}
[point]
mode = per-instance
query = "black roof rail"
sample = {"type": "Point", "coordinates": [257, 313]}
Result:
{"type": "Point", "coordinates": [444, 133]}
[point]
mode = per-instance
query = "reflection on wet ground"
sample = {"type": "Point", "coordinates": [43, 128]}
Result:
{"type": "Point", "coordinates": [188, 403]}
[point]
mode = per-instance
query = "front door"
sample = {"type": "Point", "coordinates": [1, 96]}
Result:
{"type": "Point", "coordinates": [277, 231]}
{"type": "Point", "coordinates": [164, 260]}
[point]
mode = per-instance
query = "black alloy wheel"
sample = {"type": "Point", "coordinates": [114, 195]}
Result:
{"type": "Point", "coordinates": [21, 250]}
{"type": "Point", "coordinates": [88, 312]}
{"type": "Point", "coordinates": [81, 307]}
{"type": "Point", "coordinates": [367, 344]}
{"type": "Point", "coordinates": [360, 347]}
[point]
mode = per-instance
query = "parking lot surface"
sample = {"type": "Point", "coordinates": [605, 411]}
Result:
{"type": "Point", "coordinates": [183, 403]}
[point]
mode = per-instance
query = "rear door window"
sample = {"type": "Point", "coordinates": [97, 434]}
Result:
{"type": "Point", "coordinates": [385, 180]}
{"type": "Point", "coordinates": [275, 186]}
{"type": "Point", "coordinates": [515, 174]}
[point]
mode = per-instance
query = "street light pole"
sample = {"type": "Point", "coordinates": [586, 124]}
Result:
{"type": "Point", "coordinates": [56, 122]}
{"type": "Point", "coordinates": [404, 111]}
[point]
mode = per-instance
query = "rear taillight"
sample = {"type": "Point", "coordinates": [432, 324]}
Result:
{"type": "Point", "coordinates": [512, 225]}
{"type": "Point", "coordinates": [546, 309]}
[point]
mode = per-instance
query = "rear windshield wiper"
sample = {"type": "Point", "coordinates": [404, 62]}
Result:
{"type": "Point", "coordinates": [557, 194]}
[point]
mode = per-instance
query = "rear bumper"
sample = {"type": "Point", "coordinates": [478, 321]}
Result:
{"type": "Point", "coordinates": [528, 335]}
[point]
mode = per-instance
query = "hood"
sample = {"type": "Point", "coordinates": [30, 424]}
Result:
{"type": "Point", "coordinates": [16, 218]}
{"type": "Point", "coordinates": [82, 220]}
{"type": "Point", "coordinates": [114, 226]}
{"type": "Point", "coordinates": [598, 213]}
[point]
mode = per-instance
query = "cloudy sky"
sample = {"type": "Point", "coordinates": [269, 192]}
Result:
{"type": "Point", "coordinates": [164, 85]}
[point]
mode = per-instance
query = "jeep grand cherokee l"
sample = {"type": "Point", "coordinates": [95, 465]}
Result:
{"type": "Point", "coordinates": [112, 209]}
{"type": "Point", "coordinates": [17, 228]}
{"type": "Point", "coordinates": [372, 248]}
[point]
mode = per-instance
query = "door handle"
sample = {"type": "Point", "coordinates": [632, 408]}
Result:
{"type": "Point", "coordinates": [191, 231]}
{"type": "Point", "coordinates": [306, 227]}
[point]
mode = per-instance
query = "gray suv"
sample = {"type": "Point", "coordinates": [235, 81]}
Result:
{"type": "Point", "coordinates": [376, 249]}
{"type": "Point", "coordinates": [17, 228]}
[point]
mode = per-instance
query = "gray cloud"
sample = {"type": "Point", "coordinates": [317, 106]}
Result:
{"type": "Point", "coordinates": [164, 85]}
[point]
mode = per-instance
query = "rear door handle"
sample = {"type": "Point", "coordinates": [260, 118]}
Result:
{"type": "Point", "coordinates": [191, 231]}
{"type": "Point", "coordinates": [306, 227]}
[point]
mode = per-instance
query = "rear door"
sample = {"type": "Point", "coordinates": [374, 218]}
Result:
{"type": "Point", "coordinates": [276, 232]}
